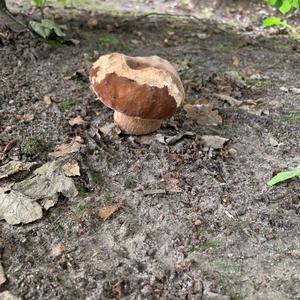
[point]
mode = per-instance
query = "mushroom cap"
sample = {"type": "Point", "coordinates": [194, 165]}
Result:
{"type": "Point", "coordinates": [142, 87]}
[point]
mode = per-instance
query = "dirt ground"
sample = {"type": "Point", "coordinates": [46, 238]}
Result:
{"type": "Point", "coordinates": [220, 232]}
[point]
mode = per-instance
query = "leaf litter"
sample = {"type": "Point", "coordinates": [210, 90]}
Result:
{"type": "Point", "coordinates": [18, 202]}
{"type": "Point", "coordinates": [106, 211]}
{"type": "Point", "coordinates": [66, 149]}
{"type": "Point", "coordinates": [14, 167]}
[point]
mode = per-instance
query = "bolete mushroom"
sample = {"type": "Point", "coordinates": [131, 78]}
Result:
{"type": "Point", "coordinates": [141, 90]}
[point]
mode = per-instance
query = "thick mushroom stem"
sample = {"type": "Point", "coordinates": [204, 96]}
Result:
{"type": "Point", "coordinates": [136, 126]}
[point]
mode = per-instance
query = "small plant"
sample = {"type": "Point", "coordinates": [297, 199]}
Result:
{"type": "Point", "coordinates": [32, 146]}
{"type": "Point", "coordinates": [284, 6]}
{"type": "Point", "coordinates": [67, 104]}
{"type": "Point", "coordinates": [284, 175]}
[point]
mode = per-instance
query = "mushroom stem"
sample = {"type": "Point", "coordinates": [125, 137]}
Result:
{"type": "Point", "coordinates": [135, 126]}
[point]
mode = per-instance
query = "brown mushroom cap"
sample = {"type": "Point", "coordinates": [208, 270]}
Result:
{"type": "Point", "coordinates": [141, 87]}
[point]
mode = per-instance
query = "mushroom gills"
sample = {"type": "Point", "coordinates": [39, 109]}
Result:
{"type": "Point", "coordinates": [136, 126]}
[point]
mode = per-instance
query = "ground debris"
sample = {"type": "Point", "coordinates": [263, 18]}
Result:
{"type": "Point", "coordinates": [47, 100]}
{"type": "Point", "coordinates": [170, 140]}
{"type": "Point", "coordinates": [214, 141]}
{"type": "Point", "coordinates": [203, 113]}
{"type": "Point", "coordinates": [110, 129]}
{"type": "Point", "coordinates": [215, 296]}
{"type": "Point", "coordinates": [7, 295]}
{"type": "Point", "coordinates": [78, 74]}
{"type": "Point", "coordinates": [106, 211]}
{"type": "Point", "coordinates": [77, 121]}
{"type": "Point", "coordinates": [66, 149]}
{"type": "Point", "coordinates": [171, 182]}
{"type": "Point", "coordinates": [71, 169]}
{"type": "Point", "coordinates": [2, 275]}
{"type": "Point", "coordinates": [154, 192]}
{"type": "Point", "coordinates": [18, 202]}
{"type": "Point", "coordinates": [14, 167]}
{"type": "Point", "coordinates": [257, 107]}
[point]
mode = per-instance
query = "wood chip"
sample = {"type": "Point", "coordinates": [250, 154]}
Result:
{"type": "Point", "coordinates": [106, 211]}
{"type": "Point", "coordinates": [47, 100]}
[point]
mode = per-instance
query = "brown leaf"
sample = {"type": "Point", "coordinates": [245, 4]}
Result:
{"type": "Point", "coordinates": [92, 23]}
{"type": "Point", "coordinates": [171, 183]}
{"type": "Point", "coordinates": [214, 141]}
{"type": "Point", "coordinates": [71, 169]}
{"type": "Point", "coordinates": [179, 157]}
{"type": "Point", "coordinates": [106, 211]}
{"type": "Point", "coordinates": [9, 146]}
{"type": "Point", "coordinates": [66, 149]}
{"type": "Point", "coordinates": [203, 114]}
{"type": "Point", "coordinates": [77, 121]}
{"type": "Point", "coordinates": [235, 60]}
{"type": "Point", "coordinates": [47, 100]}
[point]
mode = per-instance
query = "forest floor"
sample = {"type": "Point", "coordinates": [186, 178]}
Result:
{"type": "Point", "coordinates": [191, 218]}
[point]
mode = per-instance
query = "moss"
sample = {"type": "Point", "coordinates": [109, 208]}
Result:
{"type": "Point", "coordinates": [67, 104]}
{"type": "Point", "coordinates": [211, 244]}
{"type": "Point", "coordinates": [33, 146]}
{"type": "Point", "coordinates": [228, 290]}
{"type": "Point", "coordinates": [259, 82]}
{"type": "Point", "coordinates": [291, 116]}
{"type": "Point", "coordinates": [130, 182]}
{"type": "Point", "coordinates": [81, 206]}
{"type": "Point", "coordinates": [108, 40]}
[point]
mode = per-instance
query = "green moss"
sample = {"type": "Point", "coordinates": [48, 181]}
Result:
{"type": "Point", "coordinates": [228, 290]}
{"type": "Point", "coordinates": [108, 40]}
{"type": "Point", "coordinates": [130, 182]}
{"type": "Point", "coordinates": [67, 104]}
{"type": "Point", "coordinates": [33, 146]}
{"type": "Point", "coordinates": [211, 244]}
{"type": "Point", "coordinates": [291, 116]}
{"type": "Point", "coordinates": [81, 206]}
{"type": "Point", "coordinates": [259, 82]}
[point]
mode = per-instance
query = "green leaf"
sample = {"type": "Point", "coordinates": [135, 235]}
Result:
{"type": "Point", "coordinates": [272, 21]}
{"type": "Point", "coordinates": [39, 3]}
{"type": "Point", "coordinates": [40, 29]}
{"type": "Point", "coordinates": [46, 28]}
{"type": "Point", "coordinates": [282, 176]}
{"type": "Point", "coordinates": [285, 7]}
{"type": "Point", "coordinates": [295, 3]}
{"type": "Point", "coordinates": [271, 2]}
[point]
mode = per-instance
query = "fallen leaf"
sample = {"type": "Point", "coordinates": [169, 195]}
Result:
{"type": "Point", "coordinates": [214, 141]}
{"type": "Point", "coordinates": [9, 146]}
{"type": "Point", "coordinates": [110, 129]}
{"type": "Point", "coordinates": [171, 183]}
{"type": "Point", "coordinates": [77, 121]}
{"type": "Point", "coordinates": [170, 140]}
{"type": "Point", "coordinates": [257, 107]}
{"type": "Point", "coordinates": [66, 149]}
{"type": "Point", "coordinates": [235, 60]}
{"type": "Point", "coordinates": [203, 114]}
{"type": "Point", "coordinates": [25, 118]}
{"type": "Point", "coordinates": [106, 211]}
{"type": "Point", "coordinates": [71, 169]}
{"type": "Point", "coordinates": [18, 202]}
{"type": "Point", "coordinates": [7, 295]}
{"type": "Point", "coordinates": [14, 167]}
{"type": "Point", "coordinates": [47, 100]}
{"type": "Point", "coordinates": [92, 23]}
{"type": "Point", "coordinates": [179, 157]}
{"type": "Point", "coordinates": [198, 222]}
{"type": "Point", "coordinates": [2, 275]}
{"type": "Point", "coordinates": [296, 253]}
{"type": "Point", "coordinates": [57, 249]}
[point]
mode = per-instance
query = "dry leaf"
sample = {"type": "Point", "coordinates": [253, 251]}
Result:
{"type": "Point", "coordinates": [2, 275]}
{"type": "Point", "coordinates": [25, 118]}
{"type": "Point", "coordinates": [77, 121]}
{"type": "Point", "coordinates": [9, 146]}
{"type": "Point", "coordinates": [110, 129]}
{"type": "Point", "coordinates": [257, 107]}
{"type": "Point", "coordinates": [71, 169]}
{"type": "Point", "coordinates": [203, 114]}
{"type": "Point", "coordinates": [106, 211]}
{"type": "Point", "coordinates": [18, 201]}
{"type": "Point", "coordinates": [171, 183]}
{"type": "Point", "coordinates": [66, 149]}
{"type": "Point", "coordinates": [14, 167]}
{"type": "Point", "coordinates": [47, 100]}
{"type": "Point", "coordinates": [296, 253]}
{"type": "Point", "coordinates": [214, 141]}
{"type": "Point", "coordinates": [7, 295]}
{"type": "Point", "coordinates": [92, 23]}
{"type": "Point", "coordinates": [235, 60]}
{"type": "Point", "coordinates": [179, 157]}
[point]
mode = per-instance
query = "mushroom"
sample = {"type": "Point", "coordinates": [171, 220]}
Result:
{"type": "Point", "coordinates": [141, 90]}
